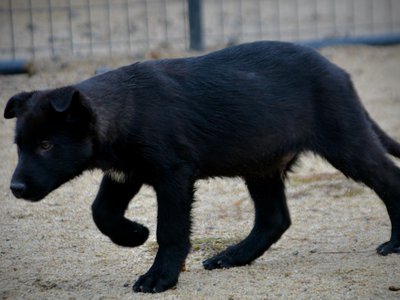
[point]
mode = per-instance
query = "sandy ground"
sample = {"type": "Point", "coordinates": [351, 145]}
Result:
{"type": "Point", "coordinates": [52, 249]}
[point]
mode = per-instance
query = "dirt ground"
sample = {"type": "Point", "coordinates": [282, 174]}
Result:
{"type": "Point", "coordinates": [52, 249]}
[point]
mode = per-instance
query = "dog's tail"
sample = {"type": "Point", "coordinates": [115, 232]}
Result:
{"type": "Point", "coordinates": [391, 146]}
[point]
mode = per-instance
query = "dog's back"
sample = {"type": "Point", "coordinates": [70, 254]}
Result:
{"type": "Point", "coordinates": [229, 112]}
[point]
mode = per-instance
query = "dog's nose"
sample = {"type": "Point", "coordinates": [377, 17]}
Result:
{"type": "Point", "coordinates": [18, 189]}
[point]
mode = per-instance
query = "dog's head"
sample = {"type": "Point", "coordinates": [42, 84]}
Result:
{"type": "Point", "coordinates": [54, 139]}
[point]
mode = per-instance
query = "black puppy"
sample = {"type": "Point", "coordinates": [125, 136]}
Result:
{"type": "Point", "coordinates": [246, 111]}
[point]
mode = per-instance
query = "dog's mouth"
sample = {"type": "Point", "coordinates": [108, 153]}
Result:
{"type": "Point", "coordinates": [32, 197]}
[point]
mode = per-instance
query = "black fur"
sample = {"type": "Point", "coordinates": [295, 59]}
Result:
{"type": "Point", "coordinates": [245, 111]}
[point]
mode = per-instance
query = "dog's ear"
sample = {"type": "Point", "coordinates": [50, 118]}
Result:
{"type": "Point", "coordinates": [71, 102]}
{"type": "Point", "coordinates": [62, 100]}
{"type": "Point", "coordinates": [15, 103]}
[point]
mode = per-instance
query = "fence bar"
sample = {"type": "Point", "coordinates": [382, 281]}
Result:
{"type": "Point", "coordinates": [195, 26]}
{"type": "Point", "coordinates": [70, 29]}
{"type": "Point", "coordinates": [15, 66]}
{"type": "Point", "coordinates": [379, 40]}
{"type": "Point", "coordinates": [51, 28]}
{"type": "Point", "coordinates": [89, 14]}
{"type": "Point", "coordinates": [13, 46]}
{"type": "Point", "coordinates": [146, 16]}
{"type": "Point", "coordinates": [31, 29]}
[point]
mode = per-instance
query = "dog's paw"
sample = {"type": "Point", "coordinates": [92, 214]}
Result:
{"type": "Point", "coordinates": [231, 257]}
{"type": "Point", "coordinates": [389, 247]}
{"type": "Point", "coordinates": [132, 234]}
{"type": "Point", "coordinates": [154, 282]}
{"type": "Point", "coordinates": [234, 256]}
{"type": "Point", "coordinates": [218, 262]}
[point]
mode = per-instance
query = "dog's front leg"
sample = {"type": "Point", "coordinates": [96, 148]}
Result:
{"type": "Point", "coordinates": [108, 212]}
{"type": "Point", "coordinates": [174, 196]}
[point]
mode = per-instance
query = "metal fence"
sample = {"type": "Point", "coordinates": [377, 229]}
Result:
{"type": "Point", "coordinates": [51, 28]}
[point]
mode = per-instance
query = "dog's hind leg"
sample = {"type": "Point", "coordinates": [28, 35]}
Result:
{"type": "Point", "coordinates": [271, 221]}
{"type": "Point", "coordinates": [108, 212]}
{"type": "Point", "coordinates": [362, 158]}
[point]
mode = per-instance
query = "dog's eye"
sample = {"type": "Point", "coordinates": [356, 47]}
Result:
{"type": "Point", "coordinates": [46, 145]}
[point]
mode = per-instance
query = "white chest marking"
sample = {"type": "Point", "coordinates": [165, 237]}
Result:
{"type": "Point", "coordinates": [116, 175]}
